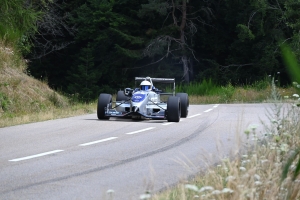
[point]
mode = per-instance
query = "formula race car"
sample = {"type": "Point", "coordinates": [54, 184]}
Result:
{"type": "Point", "coordinates": [145, 102]}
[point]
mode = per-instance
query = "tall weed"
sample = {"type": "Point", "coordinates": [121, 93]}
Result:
{"type": "Point", "coordinates": [292, 166]}
{"type": "Point", "coordinates": [255, 174]}
{"type": "Point", "coordinates": [206, 87]}
{"type": "Point", "coordinates": [18, 22]}
{"type": "Point", "coordinates": [4, 102]}
{"type": "Point", "coordinates": [262, 84]}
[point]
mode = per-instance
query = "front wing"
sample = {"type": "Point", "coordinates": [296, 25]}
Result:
{"type": "Point", "coordinates": [114, 113]}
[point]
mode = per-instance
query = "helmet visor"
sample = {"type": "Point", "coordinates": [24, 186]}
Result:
{"type": "Point", "coordinates": [145, 87]}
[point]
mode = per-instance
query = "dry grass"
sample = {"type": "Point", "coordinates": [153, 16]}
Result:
{"type": "Point", "coordinates": [24, 99]}
{"type": "Point", "coordinates": [10, 58]}
{"type": "Point", "coordinates": [256, 174]}
{"type": "Point", "coordinates": [49, 114]}
{"type": "Point", "coordinates": [243, 95]}
{"type": "Point", "coordinates": [25, 92]}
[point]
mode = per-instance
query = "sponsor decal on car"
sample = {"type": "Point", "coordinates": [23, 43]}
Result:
{"type": "Point", "coordinates": [114, 112]}
{"type": "Point", "coordinates": [138, 97]}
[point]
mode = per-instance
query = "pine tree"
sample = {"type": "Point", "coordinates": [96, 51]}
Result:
{"type": "Point", "coordinates": [83, 77]}
{"type": "Point", "coordinates": [114, 37]}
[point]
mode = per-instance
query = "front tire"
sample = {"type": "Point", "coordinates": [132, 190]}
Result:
{"type": "Point", "coordinates": [103, 101]}
{"type": "Point", "coordinates": [173, 109]}
{"type": "Point", "coordinates": [121, 96]}
{"type": "Point", "coordinates": [184, 100]}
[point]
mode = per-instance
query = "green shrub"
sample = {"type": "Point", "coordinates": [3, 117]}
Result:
{"type": "Point", "coordinates": [262, 84]}
{"type": "Point", "coordinates": [57, 100]}
{"type": "Point", "coordinates": [226, 93]}
{"type": "Point", "coordinates": [4, 102]}
{"type": "Point", "coordinates": [18, 21]}
{"type": "Point", "coordinates": [203, 88]}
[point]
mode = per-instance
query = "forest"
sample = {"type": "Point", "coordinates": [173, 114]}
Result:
{"type": "Point", "coordinates": [85, 47]}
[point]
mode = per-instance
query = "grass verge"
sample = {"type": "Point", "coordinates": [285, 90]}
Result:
{"type": "Point", "coordinates": [267, 170]}
{"type": "Point", "coordinates": [24, 99]}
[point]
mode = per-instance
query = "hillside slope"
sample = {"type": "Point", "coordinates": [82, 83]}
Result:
{"type": "Point", "coordinates": [21, 94]}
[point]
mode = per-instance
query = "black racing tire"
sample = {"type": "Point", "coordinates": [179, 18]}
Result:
{"type": "Point", "coordinates": [173, 109]}
{"type": "Point", "coordinates": [184, 100]}
{"type": "Point", "coordinates": [121, 96]}
{"type": "Point", "coordinates": [103, 100]}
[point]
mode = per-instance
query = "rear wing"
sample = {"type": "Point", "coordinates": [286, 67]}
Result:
{"type": "Point", "coordinates": [158, 80]}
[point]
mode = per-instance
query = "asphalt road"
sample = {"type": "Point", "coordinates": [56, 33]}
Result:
{"type": "Point", "coordinates": [83, 158]}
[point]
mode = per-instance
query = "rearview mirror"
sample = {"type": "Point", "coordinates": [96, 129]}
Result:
{"type": "Point", "coordinates": [128, 92]}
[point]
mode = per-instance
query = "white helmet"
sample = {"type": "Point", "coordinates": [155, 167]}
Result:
{"type": "Point", "coordinates": [145, 85]}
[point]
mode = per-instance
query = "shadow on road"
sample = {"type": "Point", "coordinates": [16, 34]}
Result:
{"type": "Point", "coordinates": [130, 120]}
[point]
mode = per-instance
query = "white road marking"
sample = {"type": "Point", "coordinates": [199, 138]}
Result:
{"type": "Point", "coordinates": [167, 123]}
{"type": "Point", "coordinates": [142, 130]}
{"type": "Point", "coordinates": [194, 116]}
{"type": "Point", "coordinates": [37, 155]}
{"type": "Point", "coordinates": [103, 140]}
{"type": "Point", "coordinates": [98, 141]}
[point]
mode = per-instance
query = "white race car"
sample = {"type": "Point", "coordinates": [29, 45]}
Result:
{"type": "Point", "coordinates": [144, 102]}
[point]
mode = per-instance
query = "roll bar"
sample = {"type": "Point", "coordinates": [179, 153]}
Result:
{"type": "Point", "coordinates": [160, 80]}
{"type": "Point", "coordinates": [157, 80]}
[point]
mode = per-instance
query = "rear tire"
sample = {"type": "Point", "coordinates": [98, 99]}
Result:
{"type": "Point", "coordinates": [121, 96]}
{"type": "Point", "coordinates": [103, 100]}
{"type": "Point", "coordinates": [184, 100]}
{"type": "Point", "coordinates": [173, 109]}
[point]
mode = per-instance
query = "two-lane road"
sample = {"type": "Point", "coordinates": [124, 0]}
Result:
{"type": "Point", "coordinates": [82, 157]}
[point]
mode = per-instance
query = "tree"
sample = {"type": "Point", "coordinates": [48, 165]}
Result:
{"type": "Point", "coordinates": [18, 22]}
{"type": "Point", "coordinates": [54, 32]}
{"type": "Point", "coordinates": [291, 17]}
{"type": "Point", "coordinates": [83, 78]}
{"type": "Point", "coordinates": [242, 46]}
{"type": "Point", "coordinates": [113, 38]}
{"type": "Point", "coordinates": [174, 35]}
{"type": "Point", "coordinates": [225, 40]}
{"type": "Point", "coordinates": [277, 22]}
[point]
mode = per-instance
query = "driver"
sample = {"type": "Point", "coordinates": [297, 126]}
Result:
{"type": "Point", "coordinates": [145, 85]}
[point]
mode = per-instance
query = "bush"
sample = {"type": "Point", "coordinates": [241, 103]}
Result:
{"type": "Point", "coordinates": [4, 102]}
{"type": "Point", "coordinates": [203, 88]}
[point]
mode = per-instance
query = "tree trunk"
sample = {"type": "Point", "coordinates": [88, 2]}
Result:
{"type": "Point", "coordinates": [185, 69]}
{"type": "Point", "coordinates": [191, 69]}
{"type": "Point", "coordinates": [182, 40]}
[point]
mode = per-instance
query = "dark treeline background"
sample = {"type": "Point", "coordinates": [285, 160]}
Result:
{"type": "Point", "coordinates": [90, 46]}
